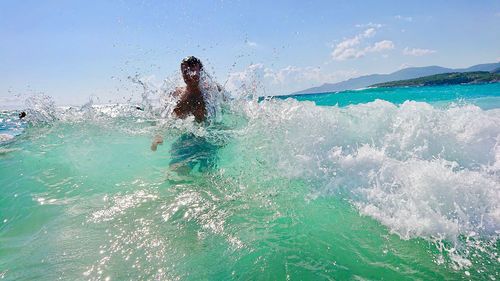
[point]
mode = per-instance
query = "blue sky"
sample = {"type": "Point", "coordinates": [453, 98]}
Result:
{"type": "Point", "coordinates": [72, 50]}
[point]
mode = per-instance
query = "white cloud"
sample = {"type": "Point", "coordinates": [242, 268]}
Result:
{"type": "Point", "coordinates": [308, 74]}
{"type": "Point", "coordinates": [10, 99]}
{"type": "Point", "coordinates": [380, 46]}
{"type": "Point", "coordinates": [403, 66]}
{"type": "Point", "coordinates": [497, 14]}
{"type": "Point", "coordinates": [349, 48]}
{"type": "Point", "coordinates": [370, 32]}
{"type": "Point", "coordinates": [251, 44]}
{"type": "Point", "coordinates": [408, 19]}
{"type": "Point", "coordinates": [417, 52]}
{"type": "Point", "coordinates": [11, 102]}
{"type": "Point", "coordinates": [260, 80]}
{"type": "Point", "coordinates": [247, 82]}
{"type": "Point", "coordinates": [356, 40]}
{"type": "Point", "coordinates": [370, 24]}
{"type": "Point", "coordinates": [344, 50]}
{"type": "Point", "coordinates": [344, 54]}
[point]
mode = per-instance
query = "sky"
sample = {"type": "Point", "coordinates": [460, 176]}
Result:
{"type": "Point", "coordinates": [77, 50]}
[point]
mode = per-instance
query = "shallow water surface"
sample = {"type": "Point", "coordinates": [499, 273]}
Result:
{"type": "Point", "coordinates": [404, 189]}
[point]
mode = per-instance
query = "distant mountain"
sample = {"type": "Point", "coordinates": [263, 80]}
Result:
{"type": "Point", "coordinates": [403, 74]}
{"type": "Point", "coordinates": [453, 78]}
{"type": "Point", "coordinates": [480, 67]}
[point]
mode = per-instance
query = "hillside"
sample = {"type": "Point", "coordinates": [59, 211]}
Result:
{"type": "Point", "coordinates": [403, 74]}
{"type": "Point", "coordinates": [445, 79]}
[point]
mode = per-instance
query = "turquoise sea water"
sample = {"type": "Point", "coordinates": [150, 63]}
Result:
{"type": "Point", "coordinates": [376, 184]}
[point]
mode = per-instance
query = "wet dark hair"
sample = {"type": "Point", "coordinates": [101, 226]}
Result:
{"type": "Point", "coordinates": [192, 61]}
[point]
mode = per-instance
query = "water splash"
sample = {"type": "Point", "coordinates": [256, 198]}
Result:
{"type": "Point", "coordinates": [40, 109]}
{"type": "Point", "coordinates": [158, 99]}
{"type": "Point", "coordinates": [423, 172]}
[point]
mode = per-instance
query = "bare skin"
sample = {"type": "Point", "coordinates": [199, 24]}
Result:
{"type": "Point", "coordinates": [191, 100]}
{"type": "Point", "coordinates": [190, 103]}
{"type": "Point", "coordinates": [158, 140]}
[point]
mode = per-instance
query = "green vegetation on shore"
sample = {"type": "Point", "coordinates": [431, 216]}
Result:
{"type": "Point", "coordinates": [445, 79]}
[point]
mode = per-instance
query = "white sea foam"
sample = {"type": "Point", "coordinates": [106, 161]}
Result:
{"type": "Point", "coordinates": [5, 138]}
{"type": "Point", "coordinates": [423, 172]}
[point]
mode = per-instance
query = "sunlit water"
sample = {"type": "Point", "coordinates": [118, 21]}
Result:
{"type": "Point", "coordinates": [393, 184]}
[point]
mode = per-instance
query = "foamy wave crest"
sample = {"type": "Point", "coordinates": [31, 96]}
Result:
{"type": "Point", "coordinates": [4, 138]}
{"type": "Point", "coordinates": [151, 117]}
{"type": "Point", "coordinates": [41, 109]}
{"type": "Point", "coordinates": [423, 172]}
